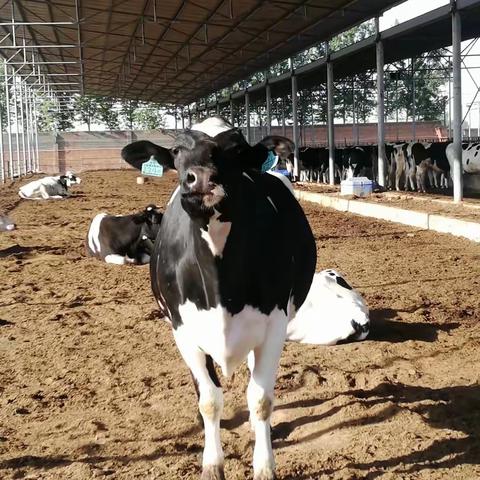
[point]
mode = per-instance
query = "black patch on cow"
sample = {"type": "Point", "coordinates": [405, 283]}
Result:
{"type": "Point", "coordinates": [468, 161]}
{"type": "Point", "coordinates": [212, 373]}
{"type": "Point", "coordinates": [341, 281]}
{"type": "Point", "coordinates": [332, 274]}
{"type": "Point", "coordinates": [476, 153]}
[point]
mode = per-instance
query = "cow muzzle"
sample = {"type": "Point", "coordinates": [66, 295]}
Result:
{"type": "Point", "coordinates": [201, 182]}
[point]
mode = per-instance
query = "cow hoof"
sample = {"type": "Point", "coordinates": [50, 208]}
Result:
{"type": "Point", "coordinates": [265, 474]}
{"type": "Point", "coordinates": [213, 472]}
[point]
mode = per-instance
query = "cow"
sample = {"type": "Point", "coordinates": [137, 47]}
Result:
{"type": "Point", "coordinates": [49, 187]}
{"type": "Point", "coordinates": [470, 157]}
{"type": "Point", "coordinates": [357, 162]}
{"type": "Point", "coordinates": [6, 225]}
{"type": "Point", "coordinates": [232, 263]}
{"type": "Point", "coordinates": [314, 162]}
{"type": "Point", "coordinates": [332, 313]}
{"type": "Point", "coordinates": [124, 239]}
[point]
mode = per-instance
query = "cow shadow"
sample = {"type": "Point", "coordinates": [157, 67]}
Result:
{"type": "Point", "coordinates": [385, 326]}
{"type": "Point", "coordinates": [453, 409]}
{"type": "Point", "coordinates": [19, 251]}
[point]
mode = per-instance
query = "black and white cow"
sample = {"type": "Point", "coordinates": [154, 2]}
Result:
{"type": "Point", "coordinates": [232, 264]}
{"type": "Point", "coordinates": [470, 157]}
{"type": "Point", "coordinates": [122, 239]}
{"type": "Point", "coordinates": [49, 187]}
{"type": "Point", "coordinates": [6, 225]}
{"type": "Point", "coordinates": [333, 312]}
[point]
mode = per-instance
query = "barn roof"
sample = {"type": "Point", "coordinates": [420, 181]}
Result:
{"type": "Point", "coordinates": [169, 51]}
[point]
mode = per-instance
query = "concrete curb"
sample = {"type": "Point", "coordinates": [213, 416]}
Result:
{"type": "Point", "coordinates": [425, 221]}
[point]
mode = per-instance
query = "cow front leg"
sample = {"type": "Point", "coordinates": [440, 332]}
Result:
{"type": "Point", "coordinates": [263, 365]}
{"type": "Point", "coordinates": [210, 403]}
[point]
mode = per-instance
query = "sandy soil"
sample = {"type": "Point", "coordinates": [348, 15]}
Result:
{"type": "Point", "coordinates": [433, 203]}
{"type": "Point", "coordinates": [91, 384]}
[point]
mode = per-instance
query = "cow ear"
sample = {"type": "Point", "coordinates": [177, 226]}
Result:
{"type": "Point", "coordinates": [137, 153]}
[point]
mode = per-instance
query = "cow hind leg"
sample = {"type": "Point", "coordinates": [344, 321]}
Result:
{"type": "Point", "coordinates": [210, 403]}
{"type": "Point", "coordinates": [263, 365]}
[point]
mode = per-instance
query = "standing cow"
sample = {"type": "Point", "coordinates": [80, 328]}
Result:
{"type": "Point", "coordinates": [232, 264]}
{"type": "Point", "coordinates": [470, 157]}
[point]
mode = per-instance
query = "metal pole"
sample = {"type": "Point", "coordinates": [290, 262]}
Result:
{"type": "Point", "coordinates": [414, 101]}
{"type": "Point", "coordinates": [22, 119]}
{"type": "Point", "coordinates": [268, 98]}
{"type": "Point", "coordinates": [2, 157]}
{"type": "Point", "coordinates": [232, 114]}
{"type": "Point", "coordinates": [9, 121]}
{"type": "Point", "coordinates": [17, 137]}
{"type": "Point", "coordinates": [330, 118]}
{"type": "Point", "coordinates": [183, 118]}
{"type": "Point", "coordinates": [28, 112]}
{"type": "Point", "coordinates": [247, 116]}
{"type": "Point", "coordinates": [380, 106]}
{"type": "Point", "coordinates": [175, 115]}
{"type": "Point", "coordinates": [450, 135]}
{"type": "Point", "coordinates": [189, 117]}
{"type": "Point", "coordinates": [457, 105]}
{"type": "Point", "coordinates": [296, 138]}
{"type": "Point", "coordinates": [284, 126]}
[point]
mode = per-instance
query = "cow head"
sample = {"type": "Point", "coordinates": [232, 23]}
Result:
{"type": "Point", "coordinates": [6, 225]}
{"type": "Point", "coordinates": [151, 218]}
{"type": "Point", "coordinates": [207, 158]}
{"type": "Point", "coordinates": [71, 179]}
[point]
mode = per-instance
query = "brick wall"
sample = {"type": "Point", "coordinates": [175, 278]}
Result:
{"type": "Point", "coordinates": [79, 151]}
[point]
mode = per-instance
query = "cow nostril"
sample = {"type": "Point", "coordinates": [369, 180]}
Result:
{"type": "Point", "coordinates": [191, 178]}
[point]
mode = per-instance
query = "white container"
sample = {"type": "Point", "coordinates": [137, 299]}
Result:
{"type": "Point", "coordinates": [359, 186]}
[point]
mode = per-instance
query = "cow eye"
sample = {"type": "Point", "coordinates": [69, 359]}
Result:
{"type": "Point", "coordinates": [176, 150]}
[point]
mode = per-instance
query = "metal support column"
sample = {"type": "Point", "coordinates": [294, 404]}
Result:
{"type": "Point", "coordinates": [330, 118]}
{"type": "Point", "coordinates": [232, 114]}
{"type": "Point", "coordinates": [9, 120]}
{"type": "Point", "coordinates": [17, 136]}
{"type": "Point", "coordinates": [414, 103]}
{"type": "Point", "coordinates": [380, 106]}
{"type": "Point", "coordinates": [182, 113]}
{"type": "Point", "coordinates": [284, 125]}
{"type": "Point", "coordinates": [457, 105]}
{"type": "Point", "coordinates": [268, 99]}
{"type": "Point", "coordinates": [247, 116]}
{"type": "Point", "coordinates": [296, 137]}
{"type": "Point", "coordinates": [22, 120]}
{"type": "Point", "coordinates": [3, 171]}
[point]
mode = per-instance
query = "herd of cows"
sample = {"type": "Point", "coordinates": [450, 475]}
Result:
{"type": "Point", "coordinates": [410, 165]}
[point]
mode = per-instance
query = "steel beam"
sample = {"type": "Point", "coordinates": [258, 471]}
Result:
{"type": "Point", "coordinates": [330, 118]}
{"type": "Point", "coordinates": [268, 98]}
{"type": "Point", "coordinates": [247, 116]}
{"type": "Point", "coordinates": [457, 105]}
{"type": "Point", "coordinates": [296, 136]}
{"type": "Point", "coordinates": [380, 106]}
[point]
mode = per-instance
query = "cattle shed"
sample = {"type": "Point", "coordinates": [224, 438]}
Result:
{"type": "Point", "coordinates": [181, 52]}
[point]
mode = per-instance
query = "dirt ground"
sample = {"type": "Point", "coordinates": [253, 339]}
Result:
{"type": "Point", "coordinates": [433, 203]}
{"type": "Point", "coordinates": [91, 384]}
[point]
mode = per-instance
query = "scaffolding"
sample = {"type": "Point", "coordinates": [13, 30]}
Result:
{"type": "Point", "coordinates": [32, 75]}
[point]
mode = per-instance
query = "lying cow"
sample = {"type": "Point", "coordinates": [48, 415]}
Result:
{"type": "Point", "coordinates": [122, 239]}
{"type": "Point", "coordinates": [333, 312]}
{"type": "Point", "coordinates": [6, 225]}
{"type": "Point", "coordinates": [49, 187]}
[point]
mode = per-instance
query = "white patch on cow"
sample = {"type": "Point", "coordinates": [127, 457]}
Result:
{"type": "Point", "coordinates": [227, 338]}
{"type": "Point", "coordinates": [326, 316]}
{"type": "Point", "coordinates": [10, 226]}
{"type": "Point", "coordinates": [283, 179]}
{"type": "Point", "coordinates": [174, 194]}
{"type": "Point", "coordinates": [245, 174]}
{"type": "Point", "coordinates": [94, 233]}
{"type": "Point", "coordinates": [273, 205]}
{"type": "Point", "coordinates": [216, 234]}
{"type": "Point", "coordinates": [115, 259]}
{"type": "Point", "coordinates": [215, 196]}
{"type": "Point", "coordinates": [212, 126]}
{"type": "Point", "coordinates": [132, 261]}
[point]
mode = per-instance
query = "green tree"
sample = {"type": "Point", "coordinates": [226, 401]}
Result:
{"type": "Point", "coordinates": [149, 117]}
{"type": "Point", "coordinates": [128, 108]}
{"type": "Point", "coordinates": [107, 112]}
{"type": "Point", "coordinates": [86, 109]}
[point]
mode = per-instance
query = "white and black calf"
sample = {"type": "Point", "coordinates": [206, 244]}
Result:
{"type": "Point", "coordinates": [49, 187]}
{"type": "Point", "coordinates": [333, 313]}
{"type": "Point", "coordinates": [470, 157]}
{"type": "Point", "coordinates": [122, 239]}
{"type": "Point", "coordinates": [6, 225]}
{"type": "Point", "coordinates": [232, 264]}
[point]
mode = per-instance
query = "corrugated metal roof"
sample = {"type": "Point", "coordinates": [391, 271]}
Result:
{"type": "Point", "coordinates": [173, 51]}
